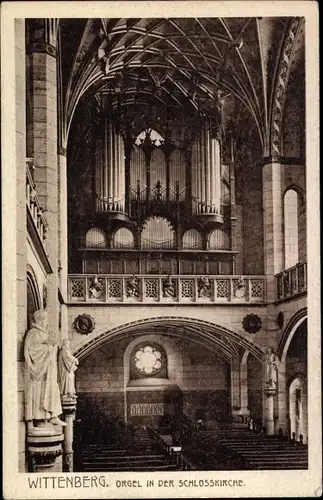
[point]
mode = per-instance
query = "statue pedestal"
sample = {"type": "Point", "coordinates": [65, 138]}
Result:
{"type": "Point", "coordinates": [270, 392]}
{"type": "Point", "coordinates": [69, 408]}
{"type": "Point", "coordinates": [44, 445]}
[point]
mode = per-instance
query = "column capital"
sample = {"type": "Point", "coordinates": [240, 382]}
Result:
{"type": "Point", "coordinates": [42, 36]}
{"type": "Point", "coordinates": [62, 151]}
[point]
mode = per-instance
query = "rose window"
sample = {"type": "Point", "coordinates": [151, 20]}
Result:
{"type": "Point", "coordinates": [148, 360]}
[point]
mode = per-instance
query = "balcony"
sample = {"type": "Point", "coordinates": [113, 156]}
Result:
{"type": "Point", "coordinates": [36, 222]}
{"type": "Point", "coordinates": [163, 289]}
{"type": "Point", "coordinates": [33, 206]}
{"type": "Point", "coordinates": [292, 281]}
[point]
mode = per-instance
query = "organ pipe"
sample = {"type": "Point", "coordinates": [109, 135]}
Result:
{"type": "Point", "coordinates": [206, 173]}
{"type": "Point", "coordinates": [110, 169]}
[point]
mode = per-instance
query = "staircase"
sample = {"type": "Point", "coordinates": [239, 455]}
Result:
{"type": "Point", "coordinates": [141, 453]}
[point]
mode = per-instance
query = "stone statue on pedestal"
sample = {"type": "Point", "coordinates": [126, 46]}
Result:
{"type": "Point", "coordinates": [67, 365]}
{"type": "Point", "coordinates": [272, 364]}
{"type": "Point", "coordinates": [43, 402]}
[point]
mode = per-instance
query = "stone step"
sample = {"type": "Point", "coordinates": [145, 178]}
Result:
{"type": "Point", "coordinates": [124, 459]}
{"type": "Point", "coordinates": [127, 468]}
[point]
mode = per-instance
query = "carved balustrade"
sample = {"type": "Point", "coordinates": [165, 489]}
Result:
{"type": "Point", "coordinates": [151, 289]}
{"type": "Point", "coordinates": [292, 281]}
{"type": "Point", "coordinates": [33, 205]}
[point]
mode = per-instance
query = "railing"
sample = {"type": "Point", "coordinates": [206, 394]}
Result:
{"type": "Point", "coordinates": [292, 281]}
{"type": "Point", "coordinates": [33, 205]}
{"type": "Point", "coordinates": [152, 289]}
{"type": "Point", "coordinates": [174, 451]}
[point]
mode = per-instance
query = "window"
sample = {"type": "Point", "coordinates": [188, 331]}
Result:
{"type": "Point", "coordinates": [152, 134]}
{"type": "Point", "coordinates": [148, 360]}
{"type": "Point", "coordinates": [291, 228]}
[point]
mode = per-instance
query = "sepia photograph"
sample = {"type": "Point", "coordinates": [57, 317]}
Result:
{"type": "Point", "coordinates": [160, 252]}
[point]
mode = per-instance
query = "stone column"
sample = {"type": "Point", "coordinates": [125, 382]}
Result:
{"type": "Point", "coordinates": [15, 206]}
{"type": "Point", "coordinates": [62, 232]}
{"type": "Point", "coordinates": [244, 411]}
{"type": "Point", "coordinates": [43, 451]}
{"type": "Point", "coordinates": [235, 386]}
{"type": "Point", "coordinates": [273, 224]}
{"type": "Point", "coordinates": [269, 411]}
{"type": "Point", "coordinates": [42, 61]}
{"type": "Point", "coordinates": [69, 408]}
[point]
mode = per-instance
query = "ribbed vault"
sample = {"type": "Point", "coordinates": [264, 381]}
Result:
{"type": "Point", "coordinates": [223, 341]}
{"type": "Point", "coordinates": [181, 63]}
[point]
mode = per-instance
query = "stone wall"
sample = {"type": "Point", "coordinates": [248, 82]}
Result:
{"type": "Point", "coordinates": [102, 382]}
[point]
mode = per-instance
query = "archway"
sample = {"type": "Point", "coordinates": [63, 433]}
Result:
{"type": "Point", "coordinates": [293, 353]}
{"type": "Point", "coordinates": [33, 295]}
{"type": "Point", "coordinates": [297, 398]}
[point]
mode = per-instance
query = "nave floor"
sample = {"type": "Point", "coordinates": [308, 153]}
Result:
{"type": "Point", "coordinates": [226, 448]}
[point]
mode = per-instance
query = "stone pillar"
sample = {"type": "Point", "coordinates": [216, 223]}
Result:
{"type": "Point", "coordinates": [15, 206]}
{"type": "Point", "coordinates": [111, 169]}
{"type": "Point", "coordinates": [269, 412]}
{"type": "Point", "coordinates": [244, 411]}
{"type": "Point", "coordinates": [235, 386]}
{"type": "Point", "coordinates": [282, 396]}
{"type": "Point", "coordinates": [69, 408]}
{"type": "Point", "coordinates": [62, 228]}
{"type": "Point", "coordinates": [42, 61]}
{"type": "Point", "coordinates": [273, 224]}
{"type": "Point", "coordinates": [43, 450]}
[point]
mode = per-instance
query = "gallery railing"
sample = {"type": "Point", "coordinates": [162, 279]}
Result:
{"type": "Point", "coordinates": [174, 289]}
{"type": "Point", "coordinates": [33, 205]}
{"type": "Point", "coordinates": [292, 281]}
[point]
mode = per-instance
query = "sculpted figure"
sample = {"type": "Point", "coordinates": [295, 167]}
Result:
{"type": "Point", "coordinates": [43, 402]}
{"type": "Point", "coordinates": [168, 287]}
{"type": "Point", "coordinates": [272, 363]}
{"type": "Point", "coordinates": [67, 365]}
{"type": "Point", "coordinates": [204, 287]}
{"type": "Point", "coordinates": [133, 287]}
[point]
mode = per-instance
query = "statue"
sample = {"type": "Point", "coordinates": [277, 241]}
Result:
{"type": "Point", "coordinates": [96, 288]}
{"type": "Point", "coordinates": [67, 365]}
{"type": "Point", "coordinates": [168, 287]}
{"type": "Point", "coordinates": [43, 402]}
{"type": "Point", "coordinates": [133, 287]}
{"type": "Point", "coordinates": [272, 363]}
{"type": "Point", "coordinates": [204, 287]}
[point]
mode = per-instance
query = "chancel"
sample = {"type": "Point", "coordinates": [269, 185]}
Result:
{"type": "Point", "coordinates": [161, 234]}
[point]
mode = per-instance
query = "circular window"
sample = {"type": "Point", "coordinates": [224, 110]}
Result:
{"type": "Point", "coordinates": [148, 360]}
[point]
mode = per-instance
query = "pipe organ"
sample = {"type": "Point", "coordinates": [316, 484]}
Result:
{"type": "Point", "coordinates": [162, 200]}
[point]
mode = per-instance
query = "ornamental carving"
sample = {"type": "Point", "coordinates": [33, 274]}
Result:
{"type": "Point", "coordinates": [84, 324]}
{"type": "Point", "coordinates": [251, 323]}
{"type": "Point", "coordinates": [281, 85]}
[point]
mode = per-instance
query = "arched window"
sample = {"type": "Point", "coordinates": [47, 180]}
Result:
{"type": "Point", "coordinates": [219, 240]}
{"type": "Point", "coordinates": [123, 238]}
{"type": "Point", "coordinates": [157, 233]}
{"type": "Point", "coordinates": [291, 228]}
{"type": "Point", "coordinates": [153, 136]}
{"type": "Point", "coordinates": [148, 360]}
{"type": "Point", "coordinates": [95, 238]}
{"type": "Point", "coordinates": [33, 296]}
{"type": "Point", "coordinates": [192, 239]}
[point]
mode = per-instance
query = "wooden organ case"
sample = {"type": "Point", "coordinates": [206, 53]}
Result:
{"type": "Point", "coordinates": [155, 196]}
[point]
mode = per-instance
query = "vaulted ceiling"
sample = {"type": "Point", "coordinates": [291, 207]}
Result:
{"type": "Point", "coordinates": [185, 64]}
